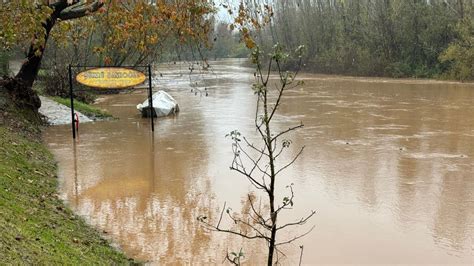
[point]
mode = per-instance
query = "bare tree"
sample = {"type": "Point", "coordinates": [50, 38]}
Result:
{"type": "Point", "coordinates": [258, 162]}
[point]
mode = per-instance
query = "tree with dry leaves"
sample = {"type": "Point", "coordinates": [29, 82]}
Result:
{"type": "Point", "coordinates": [125, 29]}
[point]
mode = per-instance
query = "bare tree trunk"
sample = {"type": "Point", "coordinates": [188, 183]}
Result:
{"type": "Point", "coordinates": [271, 193]}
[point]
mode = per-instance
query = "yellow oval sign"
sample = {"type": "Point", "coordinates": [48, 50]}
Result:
{"type": "Point", "coordinates": [110, 77]}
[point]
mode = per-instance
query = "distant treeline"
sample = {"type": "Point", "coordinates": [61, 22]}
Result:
{"type": "Point", "coordinates": [396, 38]}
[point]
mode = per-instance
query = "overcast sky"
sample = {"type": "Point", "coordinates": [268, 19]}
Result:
{"type": "Point", "coordinates": [222, 14]}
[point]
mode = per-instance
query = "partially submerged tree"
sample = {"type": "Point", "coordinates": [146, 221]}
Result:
{"type": "Point", "coordinates": [260, 163]}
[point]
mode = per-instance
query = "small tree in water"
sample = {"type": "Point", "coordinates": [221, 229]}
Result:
{"type": "Point", "coordinates": [257, 162]}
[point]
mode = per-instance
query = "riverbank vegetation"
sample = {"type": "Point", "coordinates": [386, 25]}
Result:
{"type": "Point", "coordinates": [37, 228]}
{"type": "Point", "coordinates": [416, 38]}
{"type": "Point", "coordinates": [84, 108]}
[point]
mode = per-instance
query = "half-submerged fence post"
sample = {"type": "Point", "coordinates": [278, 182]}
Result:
{"type": "Point", "coordinates": [73, 120]}
{"type": "Point", "coordinates": [150, 99]}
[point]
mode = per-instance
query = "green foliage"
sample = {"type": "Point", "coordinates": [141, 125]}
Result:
{"type": "Point", "coordinates": [398, 69]}
{"type": "Point", "coordinates": [236, 257]}
{"type": "Point", "coordinates": [460, 54]}
{"type": "Point", "coordinates": [36, 227]}
{"type": "Point", "coordinates": [84, 108]}
{"type": "Point", "coordinates": [239, 51]}
{"type": "Point", "coordinates": [381, 38]}
{"type": "Point", "coordinates": [20, 21]}
{"type": "Point", "coordinates": [234, 135]}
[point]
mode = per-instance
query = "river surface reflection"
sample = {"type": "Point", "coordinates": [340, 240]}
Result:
{"type": "Point", "coordinates": [388, 167]}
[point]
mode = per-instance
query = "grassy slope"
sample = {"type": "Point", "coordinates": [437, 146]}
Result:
{"type": "Point", "coordinates": [84, 108]}
{"type": "Point", "coordinates": [35, 226]}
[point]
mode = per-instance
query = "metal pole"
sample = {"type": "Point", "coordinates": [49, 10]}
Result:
{"type": "Point", "coordinates": [73, 120]}
{"type": "Point", "coordinates": [150, 99]}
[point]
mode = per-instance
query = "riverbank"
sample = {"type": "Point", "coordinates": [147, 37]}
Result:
{"type": "Point", "coordinates": [57, 113]}
{"type": "Point", "coordinates": [369, 79]}
{"type": "Point", "coordinates": [36, 226]}
{"type": "Point", "coordinates": [86, 109]}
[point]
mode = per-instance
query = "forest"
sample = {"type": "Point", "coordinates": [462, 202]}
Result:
{"type": "Point", "coordinates": [393, 38]}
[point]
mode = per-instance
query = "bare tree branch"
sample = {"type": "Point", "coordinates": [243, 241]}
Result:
{"type": "Point", "coordinates": [257, 184]}
{"type": "Point", "coordinates": [292, 161]}
{"type": "Point", "coordinates": [260, 218]}
{"type": "Point", "coordinates": [294, 238]}
{"type": "Point", "coordinates": [301, 255]}
{"type": "Point", "coordinates": [286, 131]}
{"type": "Point", "coordinates": [300, 222]}
{"type": "Point", "coordinates": [253, 147]}
{"type": "Point", "coordinates": [217, 228]}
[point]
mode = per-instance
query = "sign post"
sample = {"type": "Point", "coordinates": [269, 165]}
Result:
{"type": "Point", "coordinates": [150, 99]}
{"type": "Point", "coordinates": [73, 120]}
{"type": "Point", "coordinates": [109, 78]}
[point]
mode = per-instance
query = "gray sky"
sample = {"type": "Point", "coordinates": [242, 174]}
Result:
{"type": "Point", "coordinates": [222, 14]}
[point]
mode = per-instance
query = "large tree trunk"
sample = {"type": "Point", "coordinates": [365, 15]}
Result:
{"type": "Point", "coordinates": [29, 69]}
{"type": "Point", "coordinates": [20, 87]}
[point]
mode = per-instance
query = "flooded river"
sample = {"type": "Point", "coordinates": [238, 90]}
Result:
{"type": "Point", "coordinates": [388, 168]}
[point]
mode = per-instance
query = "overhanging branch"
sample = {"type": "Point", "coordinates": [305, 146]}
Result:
{"type": "Point", "coordinates": [80, 9]}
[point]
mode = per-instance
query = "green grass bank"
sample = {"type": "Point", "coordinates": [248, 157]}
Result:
{"type": "Point", "coordinates": [84, 108]}
{"type": "Point", "coordinates": [35, 225]}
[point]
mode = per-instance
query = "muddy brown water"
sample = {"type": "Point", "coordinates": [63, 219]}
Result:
{"type": "Point", "coordinates": [388, 168]}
